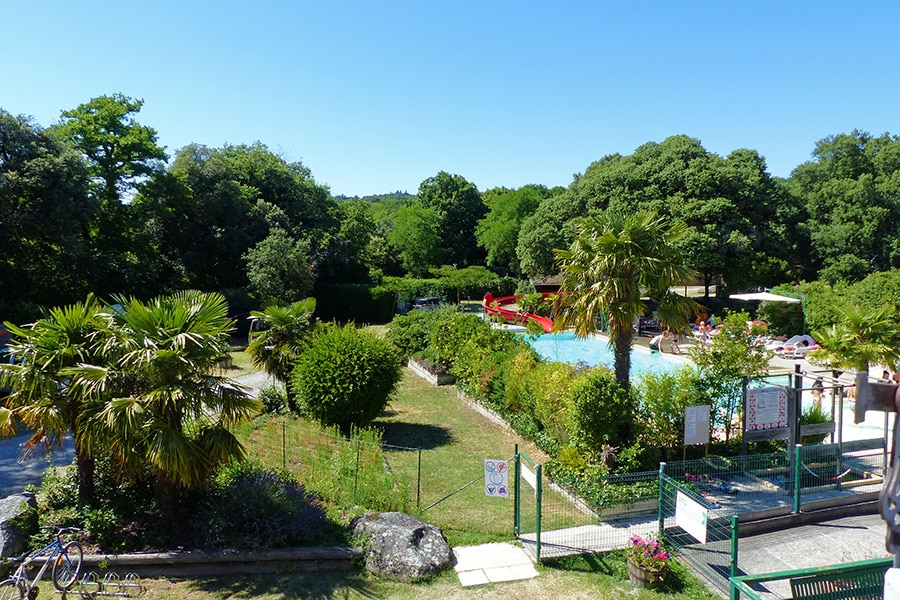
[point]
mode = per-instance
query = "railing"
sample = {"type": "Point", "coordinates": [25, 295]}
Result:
{"type": "Point", "coordinates": [862, 580]}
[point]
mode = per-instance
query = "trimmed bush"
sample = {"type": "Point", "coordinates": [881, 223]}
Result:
{"type": "Point", "coordinates": [602, 413]}
{"type": "Point", "coordinates": [410, 332]}
{"type": "Point", "coordinates": [346, 376]}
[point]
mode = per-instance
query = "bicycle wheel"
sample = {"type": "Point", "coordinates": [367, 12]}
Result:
{"type": "Point", "coordinates": [66, 566]}
{"type": "Point", "coordinates": [10, 589]}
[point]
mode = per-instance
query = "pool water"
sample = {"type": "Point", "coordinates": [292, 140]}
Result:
{"type": "Point", "coordinates": [595, 350]}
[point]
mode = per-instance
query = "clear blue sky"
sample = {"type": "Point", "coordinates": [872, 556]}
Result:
{"type": "Point", "coordinates": [377, 96]}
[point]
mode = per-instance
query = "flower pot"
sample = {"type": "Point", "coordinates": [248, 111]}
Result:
{"type": "Point", "coordinates": [645, 578]}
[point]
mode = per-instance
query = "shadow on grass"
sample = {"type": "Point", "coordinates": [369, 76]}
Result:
{"type": "Point", "coordinates": [415, 435]}
{"type": "Point", "coordinates": [313, 586]}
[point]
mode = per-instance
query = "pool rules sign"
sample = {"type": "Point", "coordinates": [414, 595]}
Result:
{"type": "Point", "coordinates": [496, 478]}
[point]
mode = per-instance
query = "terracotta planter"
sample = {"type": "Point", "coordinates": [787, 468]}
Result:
{"type": "Point", "coordinates": [645, 578]}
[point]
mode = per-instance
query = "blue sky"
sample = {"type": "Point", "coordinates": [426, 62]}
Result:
{"type": "Point", "coordinates": [377, 96]}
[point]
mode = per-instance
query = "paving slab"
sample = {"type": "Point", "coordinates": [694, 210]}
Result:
{"type": "Point", "coordinates": [492, 563]}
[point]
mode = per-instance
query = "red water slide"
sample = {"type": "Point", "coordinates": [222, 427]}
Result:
{"type": "Point", "coordinates": [495, 306]}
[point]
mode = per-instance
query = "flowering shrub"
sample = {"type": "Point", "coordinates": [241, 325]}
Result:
{"type": "Point", "coordinates": [648, 554]}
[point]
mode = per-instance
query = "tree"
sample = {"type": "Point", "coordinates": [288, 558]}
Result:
{"type": "Point", "coordinates": [119, 150]}
{"type": "Point", "coordinates": [168, 408]}
{"type": "Point", "coordinates": [498, 231]}
{"type": "Point", "coordinates": [45, 215]}
{"type": "Point", "coordinates": [459, 207]}
{"type": "Point", "coordinates": [725, 362]}
{"type": "Point", "coordinates": [282, 340]}
{"type": "Point", "coordinates": [861, 337]}
{"type": "Point", "coordinates": [615, 259]}
{"type": "Point", "coordinates": [279, 269]}
{"type": "Point", "coordinates": [466, 282]}
{"type": "Point", "coordinates": [850, 193]}
{"type": "Point", "coordinates": [417, 240]}
{"type": "Point", "coordinates": [346, 376]}
{"type": "Point", "coordinates": [41, 395]}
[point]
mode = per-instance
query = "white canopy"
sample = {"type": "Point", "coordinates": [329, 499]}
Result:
{"type": "Point", "coordinates": [764, 297]}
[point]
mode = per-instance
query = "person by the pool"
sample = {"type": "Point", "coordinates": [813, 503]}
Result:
{"type": "Point", "coordinates": [657, 340]}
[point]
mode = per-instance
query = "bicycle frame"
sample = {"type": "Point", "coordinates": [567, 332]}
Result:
{"type": "Point", "coordinates": [51, 550]}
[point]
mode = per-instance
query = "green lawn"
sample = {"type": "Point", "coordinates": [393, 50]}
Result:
{"type": "Point", "coordinates": [454, 440]}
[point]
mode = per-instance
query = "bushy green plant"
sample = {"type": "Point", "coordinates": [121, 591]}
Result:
{"type": "Point", "coordinates": [254, 506]}
{"type": "Point", "coordinates": [602, 413]}
{"type": "Point", "coordinates": [663, 399]}
{"type": "Point", "coordinates": [813, 415]}
{"type": "Point", "coordinates": [410, 332]}
{"type": "Point", "coordinates": [274, 399]}
{"type": "Point", "coordinates": [346, 376]}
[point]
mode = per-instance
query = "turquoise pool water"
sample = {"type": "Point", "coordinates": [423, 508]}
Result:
{"type": "Point", "coordinates": [595, 350]}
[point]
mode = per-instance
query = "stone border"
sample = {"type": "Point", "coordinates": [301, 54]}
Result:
{"type": "Point", "coordinates": [201, 564]}
{"type": "Point", "coordinates": [427, 375]}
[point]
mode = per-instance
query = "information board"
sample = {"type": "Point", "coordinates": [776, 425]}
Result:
{"type": "Point", "coordinates": [767, 408]}
{"type": "Point", "coordinates": [696, 425]}
{"type": "Point", "coordinates": [496, 478]}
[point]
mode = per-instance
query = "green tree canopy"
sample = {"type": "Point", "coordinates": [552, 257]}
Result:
{"type": "Point", "coordinates": [459, 207]}
{"type": "Point", "coordinates": [498, 231]}
{"type": "Point", "coordinates": [46, 216]}
{"type": "Point", "coordinates": [851, 193]}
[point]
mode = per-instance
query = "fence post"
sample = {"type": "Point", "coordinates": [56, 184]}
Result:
{"type": "Point", "coordinates": [734, 546]}
{"type": "Point", "coordinates": [283, 447]}
{"type": "Point", "coordinates": [660, 496]}
{"type": "Point", "coordinates": [797, 452]}
{"type": "Point", "coordinates": [517, 507]}
{"type": "Point", "coordinates": [356, 474]}
{"type": "Point", "coordinates": [539, 496]}
{"type": "Point", "coordinates": [419, 482]}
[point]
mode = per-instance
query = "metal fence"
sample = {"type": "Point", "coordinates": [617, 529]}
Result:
{"type": "Point", "coordinates": [742, 487]}
{"type": "Point", "coordinates": [441, 486]}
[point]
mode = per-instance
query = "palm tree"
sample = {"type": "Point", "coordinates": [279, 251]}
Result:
{"type": "Point", "coordinates": [860, 338]}
{"type": "Point", "coordinates": [276, 348]}
{"type": "Point", "coordinates": [41, 396]}
{"type": "Point", "coordinates": [614, 261]}
{"type": "Point", "coordinates": [168, 408]}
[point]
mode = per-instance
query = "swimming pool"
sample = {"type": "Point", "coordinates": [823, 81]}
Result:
{"type": "Point", "coordinates": [595, 350]}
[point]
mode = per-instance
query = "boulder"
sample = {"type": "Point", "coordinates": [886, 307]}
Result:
{"type": "Point", "coordinates": [13, 541]}
{"type": "Point", "coordinates": [400, 546]}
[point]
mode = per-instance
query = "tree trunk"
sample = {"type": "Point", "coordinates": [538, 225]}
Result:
{"type": "Point", "coordinates": [622, 341]}
{"type": "Point", "coordinates": [85, 466]}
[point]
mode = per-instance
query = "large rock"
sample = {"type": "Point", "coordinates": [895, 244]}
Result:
{"type": "Point", "coordinates": [13, 541]}
{"type": "Point", "coordinates": [400, 546]}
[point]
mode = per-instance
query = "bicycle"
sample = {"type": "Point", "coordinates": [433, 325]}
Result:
{"type": "Point", "coordinates": [66, 561]}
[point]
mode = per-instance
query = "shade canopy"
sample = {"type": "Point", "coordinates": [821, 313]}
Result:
{"type": "Point", "coordinates": [764, 297]}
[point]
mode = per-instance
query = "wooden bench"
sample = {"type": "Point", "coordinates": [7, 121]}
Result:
{"type": "Point", "coordinates": [867, 584]}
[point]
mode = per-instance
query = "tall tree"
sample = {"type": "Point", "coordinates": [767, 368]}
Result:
{"type": "Point", "coordinates": [45, 216]}
{"type": "Point", "coordinates": [459, 207]}
{"type": "Point", "coordinates": [279, 269]}
{"type": "Point", "coordinates": [852, 197]}
{"type": "Point", "coordinates": [119, 153]}
{"type": "Point", "coordinates": [169, 408]}
{"type": "Point", "coordinates": [119, 150]}
{"type": "Point", "coordinates": [42, 396]}
{"type": "Point", "coordinates": [498, 231]}
{"type": "Point", "coordinates": [616, 259]}
{"type": "Point", "coordinates": [416, 238]}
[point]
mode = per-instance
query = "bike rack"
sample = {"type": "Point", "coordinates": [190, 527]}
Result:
{"type": "Point", "coordinates": [91, 586]}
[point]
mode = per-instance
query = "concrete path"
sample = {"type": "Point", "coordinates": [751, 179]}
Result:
{"type": "Point", "coordinates": [492, 563]}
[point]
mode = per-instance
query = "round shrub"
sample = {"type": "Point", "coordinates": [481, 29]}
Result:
{"type": "Point", "coordinates": [602, 413]}
{"type": "Point", "coordinates": [254, 506]}
{"type": "Point", "coordinates": [346, 376]}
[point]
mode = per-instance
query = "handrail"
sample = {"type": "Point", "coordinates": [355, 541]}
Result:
{"type": "Point", "coordinates": [741, 583]}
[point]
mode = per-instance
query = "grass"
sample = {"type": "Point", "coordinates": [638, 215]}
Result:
{"type": "Point", "coordinates": [577, 578]}
{"type": "Point", "coordinates": [454, 440]}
